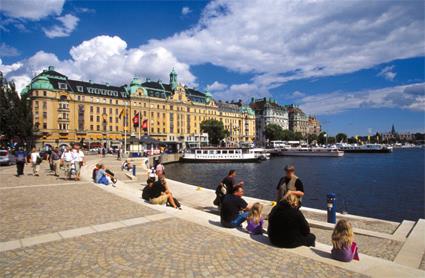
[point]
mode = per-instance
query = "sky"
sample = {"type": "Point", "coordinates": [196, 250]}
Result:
{"type": "Point", "coordinates": [357, 65]}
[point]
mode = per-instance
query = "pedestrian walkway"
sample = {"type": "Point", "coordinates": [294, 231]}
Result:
{"type": "Point", "coordinates": [83, 229]}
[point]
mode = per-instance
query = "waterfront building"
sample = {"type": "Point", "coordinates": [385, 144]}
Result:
{"type": "Point", "coordinates": [66, 111]}
{"type": "Point", "coordinates": [394, 136]}
{"type": "Point", "coordinates": [268, 111]}
{"type": "Point", "coordinates": [313, 125]}
{"type": "Point", "coordinates": [298, 120]}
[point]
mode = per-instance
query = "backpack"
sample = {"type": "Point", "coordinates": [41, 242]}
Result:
{"type": "Point", "coordinates": [220, 192]}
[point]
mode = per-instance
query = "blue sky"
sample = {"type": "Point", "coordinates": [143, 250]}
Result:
{"type": "Point", "coordinates": [357, 65]}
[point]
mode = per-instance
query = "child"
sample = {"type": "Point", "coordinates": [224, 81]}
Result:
{"type": "Point", "coordinates": [344, 248]}
{"type": "Point", "coordinates": [255, 220]}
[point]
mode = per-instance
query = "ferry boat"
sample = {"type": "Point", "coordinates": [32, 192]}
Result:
{"type": "Point", "coordinates": [366, 148]}
{"type": "Point", "coordinates": [312, 152]}
{"type": "Point", "coordinates": [261, 153]}
{"type": "Point", "coordinates": [220, 155]}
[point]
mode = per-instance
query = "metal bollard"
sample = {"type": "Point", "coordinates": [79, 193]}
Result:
{"type": "Point", "coordinates": [331, 204]}
{"type": "Point", "coordinates": [134, 170]}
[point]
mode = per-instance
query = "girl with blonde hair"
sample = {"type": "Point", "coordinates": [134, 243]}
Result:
{"type": "Point", "coordinates": [344, 248]}
{"type": "Point", "coordinates": [255, 219]}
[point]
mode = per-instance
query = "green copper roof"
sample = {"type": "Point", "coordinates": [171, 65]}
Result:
{"type": "Point", "coordinates": [41, 82]}
{"type": "Point", "coordinates": [248, 110]}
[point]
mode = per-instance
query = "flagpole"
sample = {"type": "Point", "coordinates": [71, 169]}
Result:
{"type": "Point", "coordinates": [125, 129]}
{"type": "Point", "coordinates": [140, 118]}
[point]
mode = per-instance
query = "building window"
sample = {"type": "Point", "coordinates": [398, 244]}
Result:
{"type": "Point", "coordinates": [97, 109]}
{"type": "Point", "coordinates": [91, 109]}
{"type": "Point", "coordinates": [44, 105]}
{"type": "Point", "coordinates": [116, 128]}
{"type": "Point", "coordinates": [116, 110]}
{"type": "Point", "coordinates": [44, 93]}
{"type": "Point", "coordinates": [80, 89]}
{"type": "Point", "coordinates": [62, 86]}
{"type": "Point", "coordinates": [104, 110]}
{"type": "Point", "coordinates": [91, 118]}
{"type": "Point", "coordinates": [97, 118]}
{"type": "Point", "coordinates": [98, 127]}
{"type": "Point", "coordinates": [45, 125]}
{"type": "Point", "coordinates": [116, 120]}
{"type": "Point", "coordinates": [110, 128]}
{"type": "Point", "coordinates": [91, 127]}
{"type": "Point", "coordinates": [110, 119]}
{"type": "Point", "coordinates": [110, 101]}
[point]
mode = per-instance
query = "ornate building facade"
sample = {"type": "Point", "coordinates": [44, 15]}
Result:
{"type": "Point", "coordinates": [268, 111]}
{"type": "Point", "coordinates": [298, 120]}
{"type": "Point", "coordinates": [313, 125]}
{"type": "Point", "coordinates": [66, 111]}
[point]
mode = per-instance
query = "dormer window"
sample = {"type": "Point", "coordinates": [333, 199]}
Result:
{"type": "Point", "coordinates": [62, 86]}
{"type": "Point", "coordinates": [80, 89]}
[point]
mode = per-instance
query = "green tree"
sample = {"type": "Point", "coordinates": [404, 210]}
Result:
{"type": "Point", "coordinates": [341, 137]}
{"type": "Point", "coordinates": [331, 140]}
{"type": "Point", "coordinates": [288, 135]}
{"type": "Point", "coordinates": [215, 130]}
{"type": "Point", "coordinates": [298, 136]}
{"type": "Point", "coordinates": [15, 114]}
{"type": "Point", "coordinates": [322, 138]}
{"type": "Point", "coordinates": [274, 132]}
{"type": "Point", "coordinates": [312, 137]}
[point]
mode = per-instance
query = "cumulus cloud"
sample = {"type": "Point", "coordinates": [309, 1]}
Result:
{"type": "Point", "coordinates": [388, 73]}
{"type": "Point", "coordinates": [216, 86]}
{"type": "Point", "coordinates": [279, 41]}
{"type": "Point", "coordinates": [186, 10]}
{"type": "Point", "coordinates": [67, 25]}
{"type": "Point", "coordinates": [7, 50]}
{"type": "Point", "coordinates": [31, 9]}
{"type": "Point", "coordinates": [411, 97]}
{"type": "Point", "coordinates": [105, 59]}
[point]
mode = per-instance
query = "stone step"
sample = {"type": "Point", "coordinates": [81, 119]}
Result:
{"type": "Point", "coordinates": [414, 247]}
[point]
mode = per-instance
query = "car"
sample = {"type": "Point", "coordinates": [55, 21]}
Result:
{"type": "Point", "coordinates": [7, 158]}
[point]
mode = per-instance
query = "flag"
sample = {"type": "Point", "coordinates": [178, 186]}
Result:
{"type": "Point", "coordinates": [136, 120]}
{"type": "Point", "coordinates": [121, 113]}
{"type": "Point", "coordinates": [145, 124]}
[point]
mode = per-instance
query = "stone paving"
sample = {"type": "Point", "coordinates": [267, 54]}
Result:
{"type": "Point", "coordinates": [377, 226]}
{"type": "Point", "coordinates": [167, 248]}
{"type": "Point", "coordinates": [37, 210]}
{"type": "Point", "coordinates": [369, 245]}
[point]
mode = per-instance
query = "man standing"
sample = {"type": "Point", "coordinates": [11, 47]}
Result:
{"type": "Point", "coordinates": [21, 156]}
{"type": "Point", "coordinates": [78, 160]}
{"type": "Point", "coordinates": [234, 209]}
{"type": "Point", "coordinates": [289, 184]}
{"type": "Point", "coordinates": [67, 162]}
{"type": "Point", "coordinates": [35, 161]}
{"type": "Point", "coordinates": [55, 160]}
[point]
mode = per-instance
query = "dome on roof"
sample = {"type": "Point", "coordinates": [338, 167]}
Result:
{"type": "Point", "coordinates": [41, 82]}
{"type": "Point", "coordinates": [25, 90]}
{"type": "Point", "coordinates": [136, 82]}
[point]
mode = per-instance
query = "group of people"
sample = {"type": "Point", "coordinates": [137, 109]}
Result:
{"type": "Point", "coordinates": [102, 175]}
{"type": "Point", "coordinates": [70, 160]}
{"type": "Point", "coordinates": [287, 226]}
{"type": "Point", "coordinates": [157, 190]}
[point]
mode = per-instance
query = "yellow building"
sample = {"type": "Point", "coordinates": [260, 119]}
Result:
{"type": "Point", "coordinates": [66, 111]}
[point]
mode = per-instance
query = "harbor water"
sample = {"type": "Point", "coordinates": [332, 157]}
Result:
{"type": "Point", "coordinates": [387, 186]}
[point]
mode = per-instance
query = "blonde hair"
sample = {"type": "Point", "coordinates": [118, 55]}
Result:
{"type": "Point", "coordinates": [342, 235]}
{"type": "Point", "coordinates": [293, 200]}
{"type": "Point", "coordinates": [255, 213]}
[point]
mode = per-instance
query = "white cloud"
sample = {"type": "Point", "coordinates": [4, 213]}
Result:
{"type": "Point", "coordinates": [388, 73]}
{"type": "Point", "coordinates": [411, 97]}
{"type": "Point", "coordinates": [296, 94]}
{"type": "Point", "coordinates": [7, 50]}
{"type": "Point", "coordinates": [217, 86]}
{"type": "Point", "coordinates": [279, 41]}
{"type": "Point", "coordinates": [31, 9]}
{"type": "Point", "coordinates": [67, 25]}
{"type": "Point", "coordinates": [105, 59]}
{"type": "Point", "coordinates": [186, 10]}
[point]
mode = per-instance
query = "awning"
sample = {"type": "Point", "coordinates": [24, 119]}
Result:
{"type": "Point", "coordinates": [146, 139]}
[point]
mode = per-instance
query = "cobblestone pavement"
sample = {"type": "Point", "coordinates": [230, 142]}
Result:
{"type": "Point", "coordinates": [167, 248]}
{"type": "Point", "coordinates": [37, 210]}
{"type": "Point", "coordinates": [377, 226]}
{"type": "Point", "coordinates": [373, 246]}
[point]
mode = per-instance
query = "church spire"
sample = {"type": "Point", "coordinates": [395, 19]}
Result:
{"type": "Point", "coordinates": [392, 129]}
{"type": "Point", "coordinates": [173, 80]}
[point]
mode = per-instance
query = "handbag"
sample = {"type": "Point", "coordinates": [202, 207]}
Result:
{"type": "Point", "coordinates": [39, 160]}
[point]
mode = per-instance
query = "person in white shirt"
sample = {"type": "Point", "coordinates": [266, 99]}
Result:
{"type": "Point", "coordinates": [78, 160]}
{"type": "Point", "coordinates": [35, 161]}
{"type": "Point", "coordinates": [67, 162]}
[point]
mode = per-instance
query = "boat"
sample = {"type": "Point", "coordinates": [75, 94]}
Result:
{"type": "Point", "coordinates": [220, 155]}
{"type": "Point", "coordinates": [366, 148]}
{"type": "Point", "coordinates": [312, 152]}
{"type": "Point", "coordinates": [261, 153]}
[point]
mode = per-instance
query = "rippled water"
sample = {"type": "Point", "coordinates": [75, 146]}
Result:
{"type": "Point", "coordinates": [387, 186]}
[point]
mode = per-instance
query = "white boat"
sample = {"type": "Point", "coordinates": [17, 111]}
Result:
{"type": "Point", "coordinates": [312, 152]}
{"type": "Point", "coordinates": [261, 153]}
{"type": "Point", "coordinates": [366, 148]}
{"type": "Point", "coordinates": [220, 155]}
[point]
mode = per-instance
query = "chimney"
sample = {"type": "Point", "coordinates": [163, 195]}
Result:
{"type": "Point", "coordinates": [51, 68]}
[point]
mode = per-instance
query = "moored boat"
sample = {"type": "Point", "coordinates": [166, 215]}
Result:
{"type": "Point", "coordinates": [366, 148]}
{"type": "Point", "coordinates": [220, 155]}
{"type": "Point", "coordinates": [312, 152]}
{"type": "Point", "coordinates": [261, 153]}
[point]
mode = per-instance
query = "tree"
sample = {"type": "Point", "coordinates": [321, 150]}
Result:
{"type": "Point", "coordinates": [215, 130]}
{"type": "Point", "coordinates": [331, 140]}
{"type": "Point", "coordinates": [312, 137]}
{"type": "Point", "coordinates": [298, 136]}
{"type": "Point", "coordinates": [15, 114]}
{"type": "Point", "coordinates": [274, 132]}
{"type": "Point", "coordinates": [322, 138]}
{"type": "Point", "coordinates": [341, 137]}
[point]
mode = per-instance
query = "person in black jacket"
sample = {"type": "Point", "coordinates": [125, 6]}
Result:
{"type": "Point", "coordinates": [288, 227]}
